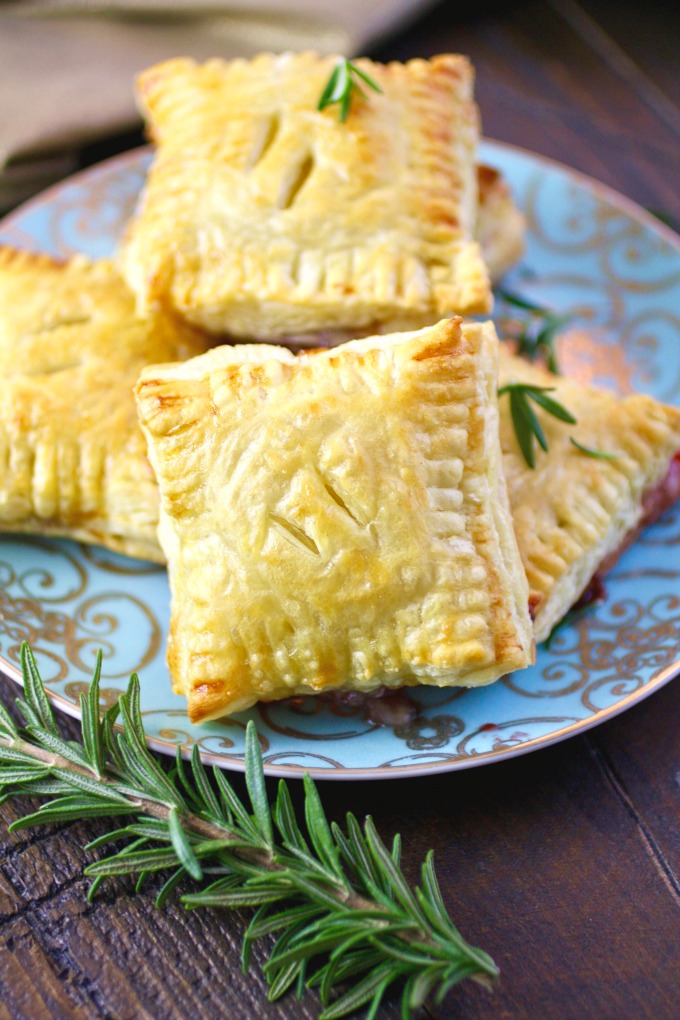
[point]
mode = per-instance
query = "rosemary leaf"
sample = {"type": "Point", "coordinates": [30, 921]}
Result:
{"type": "Point", "coordinates": [320, 832]}
{"type": "Point", "coordinates": [521, 422]}
{"type": "Point", "coordinates": [93, 738]}
{"type": "Point", "coordinates": [590, 452]}
{"type": "Point", "coordinates": [204, 791]}
{"type": "Point", "coordinates": [182, 846]}
{"type": "Point", "coordinates": [553, 407]}
{"type": "Point", "coordinates": [256, 787]}
{"type": "Point", "coordinates": [34, 690]}
{"type": "Point", "coordinates": [7, 727]}
{"type": "Point", "coordinates": [342, 85]}
{"type": "Point", "coordinates": [524, 419]}
{"type": "Point", "coordinates": [169, 886]}
{"type": "Point", "coordinates": [535, 335]}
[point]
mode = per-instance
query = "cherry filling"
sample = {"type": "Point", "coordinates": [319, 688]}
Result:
{"type": "Point", "coordinates": [595, 591]}
{"type": "Point", "coordinates": [654, 505]}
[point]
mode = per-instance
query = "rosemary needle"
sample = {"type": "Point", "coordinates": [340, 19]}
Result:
{"type": "Point", "coordinates": [537, 334]}
{"type": "Point", "coordinates": [525, 421]}
{"type": "Point", "coordinates": [590, 452]}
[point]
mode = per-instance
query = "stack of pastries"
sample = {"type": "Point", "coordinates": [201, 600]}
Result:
{"type": "Point", "coordinates": [354, 516]}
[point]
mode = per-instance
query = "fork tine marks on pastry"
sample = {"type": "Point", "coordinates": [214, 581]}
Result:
{"type": "Point", "coordinates": [70, 351]}
{"type": "Point", "coordinates": [290, 186]}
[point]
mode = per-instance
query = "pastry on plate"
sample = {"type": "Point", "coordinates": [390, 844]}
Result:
{"type": "Point", "coordinates": [575, 513]}
{"type": "Point", "coordinates": [72, 457]}
{"type": "Point", "coordinates": [265, 217]}
{"type": "Point", "coordinates": [336, 521]}
{"type": "Point", "coordinates": [501, 227]}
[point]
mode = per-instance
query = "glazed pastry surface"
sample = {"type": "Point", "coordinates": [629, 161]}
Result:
{"type": "Point", "coordinates": [72, 457]}
{"type": "Point", "coordinates": [573, 511]}
{"type": "Point", "coordinates": [265, 217]}
{"type": "Point", "coordinates": [336, 520]}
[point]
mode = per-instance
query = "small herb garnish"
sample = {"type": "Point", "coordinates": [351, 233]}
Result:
{"type": "Point", "coordinates": [338, 903]}
{"type": "Point", "coordinates": [537, 334]}
{"type": "Point", "coordinates": [524, 419]}
{"type": "Point", "coordinates": [342, 84]}
{"type": "Point", "coordinates": [590, 452]}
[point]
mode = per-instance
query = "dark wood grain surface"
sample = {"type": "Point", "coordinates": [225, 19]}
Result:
{"type": "Point", "coordinates": [563, 864]}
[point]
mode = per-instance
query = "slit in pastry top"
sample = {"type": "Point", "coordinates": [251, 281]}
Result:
{"type": "Point", "coordinates": [264, 217]}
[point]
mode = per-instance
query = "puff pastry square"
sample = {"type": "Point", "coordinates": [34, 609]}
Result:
{"type": "Point", "coordinates": [573, 513]}
{"type": "Point", "coordinates": [264, 217]}
{"type": "Point", "coordinates": [72, 457]}
{"type": "Point", "coordinates": [336, 520]}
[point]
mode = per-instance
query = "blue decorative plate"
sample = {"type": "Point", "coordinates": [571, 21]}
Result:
{"type": "Point", "coordinates": [593, 255]}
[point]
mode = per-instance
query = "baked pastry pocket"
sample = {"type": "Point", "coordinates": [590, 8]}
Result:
{"type": "Point", "coordinates": [573, 513]}
{"type": "Point", "coordinates": [72, 456]}
{"type": "Point", "coordinates": [264, 217]}
{"type": "Point", "coordinates": [337, 520]}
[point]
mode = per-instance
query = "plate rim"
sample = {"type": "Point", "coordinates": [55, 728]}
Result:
{"type": "Point", "coordinates": [629, 208]}
{"type": "Point", "coordinates": [237, 764]}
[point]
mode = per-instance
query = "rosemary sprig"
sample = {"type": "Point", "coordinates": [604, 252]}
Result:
{"type": "Point", "coordinates": [537, 334]}
{"type": "Point", "coordinates": [338, 903]}
{"type": "Point", "coordinates": [342, 84]}
{"type": "Point", "coordinates": [525, 420]}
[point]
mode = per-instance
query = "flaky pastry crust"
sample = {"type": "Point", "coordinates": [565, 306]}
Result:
{"type": "Point", "coordinates": [501, 227]}
{"type": "Point", "coordinates": [265, 217]}
{"type": "Point", "coordinates": [572, 511]}
{"type": "Point", "coordinates": [336, 520]}
{"type": "Point", "coordinates": [72, 457]}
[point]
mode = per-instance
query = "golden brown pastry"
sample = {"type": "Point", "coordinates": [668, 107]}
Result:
{"type": "Point", "coordinates": [265, 217]}
{"type": "Point", "coordinates": [501, 227]}
{"type": "Point", "coordinates": [335, 521]}
{"type": "Point", "coordinates": [573, 513]}
{"type": "Point", "coordinates": [72, 457]}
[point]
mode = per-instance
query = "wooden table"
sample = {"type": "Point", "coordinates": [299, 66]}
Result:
{"type": "Point", "coordinates": [564, 864]}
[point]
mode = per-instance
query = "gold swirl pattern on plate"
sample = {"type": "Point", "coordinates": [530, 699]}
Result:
{"type": "Point", "coordinates": [639, 338]}
{"type": "Point", "coordinates": [498, 737]}
{"type": "Point", "coordinates": [175, 736]}
{"type": "Point", "coordinates": [48, 602]}
{"type": "Point", "coordinates": [99, 618]}
{"type": "Point", "coordinates": [108, 696]}
{"type": "Point", "coordinates": [590, 360]}
{"type": "Point", "coordinates": [52, 573]}
{"type": "Point", "coordinates": [24, 619]}
{"type": "Point", "coordinates": [625, 253]}
{"type": "Point", "coordinates": [427, 733]}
